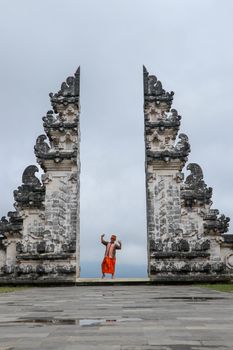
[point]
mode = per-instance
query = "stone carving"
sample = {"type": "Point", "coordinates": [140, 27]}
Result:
{"type": "Point", "coordinates": [180, 150]}
{"type": "Point", "coordinates": [3, 223]}
{"type": "Point", "coordinates": [49, 119]}
{"type": "Point", "coordinates": [154, 92]}
{"type": "Point", "coordinates": [174, 117]}
{"type": "Point", "coordinates": [195, 189]}
{"type": "Point", "coordinates": [29, 178]}
{"type": "Point", "coordinates": [41, 148]}
{"type": "Point", "coordinates": [38, 240]}
{"type": "Point", "coordinates": [162, 121]}
{"type": "Point", "coordinates": [180, 221]}
{"type": "Point", "coordinates": [9, 231]}
{"type": "Point", "coordinates": [182, 147]}
{"type": "Point", "coordinates": [69, 92]}
{"type": "Point", "coordinates": [31, 193]}
{"type": "Point", "coordinates": [62, 134]}
{"type": "Point", "coordinates": [215, 223]}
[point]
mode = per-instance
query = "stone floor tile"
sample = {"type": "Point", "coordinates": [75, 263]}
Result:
{"type": "Point", "coordinates": [166, 318]}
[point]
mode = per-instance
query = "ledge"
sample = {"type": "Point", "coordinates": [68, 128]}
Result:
{"type": "Point", "coordinates": [180, 255]}
{"type": "Point", "coordinates": [45, 257]}
{"type": "Point", "coordinates": [108, 281]}
{"type": "Point", "coordinates": [154, 280]}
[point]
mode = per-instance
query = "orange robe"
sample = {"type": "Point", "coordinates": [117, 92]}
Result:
{"type": "Point", "coordinates": [109, 262]}
{"type": "Point", "coordinates": [108, 265]}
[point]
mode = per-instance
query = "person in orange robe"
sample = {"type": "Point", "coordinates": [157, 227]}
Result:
{"type": "Point", "coordinates": [109, 262]}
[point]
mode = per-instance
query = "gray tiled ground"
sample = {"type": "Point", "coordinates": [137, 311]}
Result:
{"type": "Point", "coordinates": [117, 318]}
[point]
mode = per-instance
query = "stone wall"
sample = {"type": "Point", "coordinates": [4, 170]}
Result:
{"type": "Point", "coordinates": [186, 240]}
{"type": "Point", "coordinates": [38, 241]}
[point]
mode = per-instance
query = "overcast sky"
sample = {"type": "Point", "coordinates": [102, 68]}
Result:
{"type": "Point", "coordinates": [187, 44]}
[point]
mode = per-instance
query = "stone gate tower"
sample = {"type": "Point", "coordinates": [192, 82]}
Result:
{"type": "Point", "coordinates": [39, 241]}
{"type": "Point", "coordinates": [186, 240]}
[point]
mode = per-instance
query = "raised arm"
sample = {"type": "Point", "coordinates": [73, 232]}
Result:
{"type": "Point", "coordinates": [119, 245]}
{"type": "Point", "coordinates": [102, 240]}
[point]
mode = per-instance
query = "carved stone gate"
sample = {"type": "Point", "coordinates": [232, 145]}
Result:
{"type": "Point", "coordinates": [186, 240]}
{"type": "Point", "coordinates": [39, 241]}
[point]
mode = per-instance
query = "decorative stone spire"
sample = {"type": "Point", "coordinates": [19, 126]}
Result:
{"type": "Point", "coordinates": [162, 125]}
{"type": "Point", "coordinates": [60, 144]}
{"type": "Point", "coordinates": [69, 92]}
{"type": "Point", "coordinates": [154, 92]}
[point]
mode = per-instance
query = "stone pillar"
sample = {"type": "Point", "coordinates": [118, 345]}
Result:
{"type": "Point", "coordinates": [185, 241]}
{"type": "Point", "coordinates": [42, 236]}
{"type": "Point", "coordinates": [164, 161]}
{"type": "Point", "coordinates": [58, 153]}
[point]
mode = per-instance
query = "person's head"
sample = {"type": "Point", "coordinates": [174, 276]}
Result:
{"type": "Point", "coordinates": [113, 238]}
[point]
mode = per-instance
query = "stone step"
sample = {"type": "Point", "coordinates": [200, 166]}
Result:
{"type": "Point", "coordinates": [109, 281]}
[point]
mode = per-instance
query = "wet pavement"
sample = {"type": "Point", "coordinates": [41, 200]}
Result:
{"type": "Point", "coordinates": [116, 317]}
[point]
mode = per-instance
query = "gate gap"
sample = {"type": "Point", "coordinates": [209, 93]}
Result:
{"type": "Point", "coordinates": [112, 170]}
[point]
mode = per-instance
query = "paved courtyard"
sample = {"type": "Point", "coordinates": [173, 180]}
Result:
{"type": "Point", "coordinates": [116, 317]}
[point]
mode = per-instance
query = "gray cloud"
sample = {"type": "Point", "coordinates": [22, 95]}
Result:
{"type": "Point", "coordinates": [187, 44]}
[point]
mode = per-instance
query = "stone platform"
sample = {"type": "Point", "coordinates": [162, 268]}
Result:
{"type": "Point", "coordinates": [110, 281]}
{"type": "Point", "coordinates": [124, 317]}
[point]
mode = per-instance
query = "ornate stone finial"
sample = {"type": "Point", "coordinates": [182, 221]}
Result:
{"type": "Point", "coordinates": [223, 223]}
{"type": "Point", "coordinates": [49, 119]}
{"type": "Point", "coordinates": [215, 223]}
{"type": "Point", "coordinates": [195, 187]}
{"type": "Point", "coordinates": [69, 92]}
{"type": "Point", "coordinates": [183, 146]}
{"type": "Point", "coordinates": [4, 220]}
{"type": "Point", "coordinates": [13, 225]}
{"type": "Point", "coordinates": [196, 175]}
{"type": "Point", "coordinates": [153, 90]}
{"type": "Point", "coordinates": [29, 178]}
{"type": "Point", "coordinates": [41, 148]}
{"type": "Point", "coordinates": [3, 226]}
{"type": "Point", "coordinates": [31, 193]}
